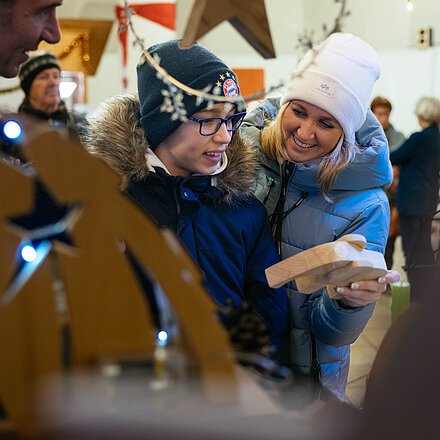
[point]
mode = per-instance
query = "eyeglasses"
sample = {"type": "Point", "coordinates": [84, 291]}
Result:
{"type": "Point", "coordinates": [210, 126]}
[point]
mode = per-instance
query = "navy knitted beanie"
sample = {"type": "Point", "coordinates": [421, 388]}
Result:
{"type": "Point", "coordinates": [195, 67]}
{"type": "Point", "coordinates": [32, 67]}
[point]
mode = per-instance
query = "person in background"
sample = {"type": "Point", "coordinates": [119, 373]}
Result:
{"type": "Point", "coordinates": [23, 25]}
{"type": "Point", "coordinates": [40, 79]}
{"type": "Point", "coordinates": [381, 107]}
{"type": "Point", "coordinates": [323, 166]}
{"type": "Point", "coordinates": [417, 194]}
{"type": "Point", "coordinates": [394, 230]}
{"type": "Point", "coordinates": [195, 177]}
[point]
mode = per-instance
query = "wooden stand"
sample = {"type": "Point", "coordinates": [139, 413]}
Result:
{"type": "Point", "coordinates": [107, 314]}
{"type": "Point", "coordinates": [311, 269]}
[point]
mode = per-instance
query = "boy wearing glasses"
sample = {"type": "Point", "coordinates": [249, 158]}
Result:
{"type": "Point", "coordinates": [195, 177]}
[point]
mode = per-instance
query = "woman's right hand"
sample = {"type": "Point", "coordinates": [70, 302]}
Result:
{"type": "Point", "coordinates": [362, 293]}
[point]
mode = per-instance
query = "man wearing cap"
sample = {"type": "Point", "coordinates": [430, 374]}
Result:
{"type": "Point", "coordinates": [40, 80]}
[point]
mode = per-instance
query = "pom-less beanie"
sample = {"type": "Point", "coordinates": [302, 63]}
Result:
{"type": "Point", "coordinates": [32, 67]}
{"type": "Point", "coordinates": [196, 67]}
{"type": "Point", "coordinates": [339, 80]}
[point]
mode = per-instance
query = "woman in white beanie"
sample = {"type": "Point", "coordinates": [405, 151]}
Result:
{"type": "Point", "coordinates": [324, 163]}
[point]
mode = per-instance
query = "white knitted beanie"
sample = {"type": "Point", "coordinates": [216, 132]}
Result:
{"type": "Point", "coordinates": [339, 80]}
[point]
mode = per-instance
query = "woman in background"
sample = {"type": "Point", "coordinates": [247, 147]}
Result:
{"type": "Point", "coordinates": [417, 193]}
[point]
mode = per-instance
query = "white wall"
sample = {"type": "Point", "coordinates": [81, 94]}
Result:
{"type": "Point", "coordinates": [407, 74]}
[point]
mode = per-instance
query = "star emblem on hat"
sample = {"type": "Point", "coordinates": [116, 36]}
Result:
{"type": "Point", "coordinates": [222, 77]}
{"type": "Point", "coordinates": [218, 84]}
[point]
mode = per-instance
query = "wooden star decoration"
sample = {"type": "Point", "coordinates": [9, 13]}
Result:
{"type": "Point", "coordinates": [248, 17]}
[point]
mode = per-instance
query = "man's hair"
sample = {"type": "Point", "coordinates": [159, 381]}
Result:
{"type": "Point", "coordinates": [380, 101]}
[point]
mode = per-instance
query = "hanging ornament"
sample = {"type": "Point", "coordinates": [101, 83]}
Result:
{"type": "Point", "coordinates": [161, 13]}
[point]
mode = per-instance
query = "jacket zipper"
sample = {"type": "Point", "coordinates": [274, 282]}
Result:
{"type": "Point", "coordinates": [316, 370]}
{"type": "Point", "coordinates": [176, 198]}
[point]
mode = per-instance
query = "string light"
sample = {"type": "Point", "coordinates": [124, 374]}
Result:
{"type": "Point", "coordinates": [28, 253]}
{"type": "Point", "coordinates": [12, 130]}
{"type": "Point", "coordinates": [81, 42]}
{"type": "Point", "coordinates": [162, 338]}
{"type": "Point", "coordinates": [409, 5]}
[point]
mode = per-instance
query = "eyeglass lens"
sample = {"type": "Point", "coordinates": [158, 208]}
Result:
{"type": "Point", "coordinates": [211, 126]}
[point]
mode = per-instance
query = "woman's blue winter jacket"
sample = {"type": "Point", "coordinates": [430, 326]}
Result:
{"type": "Point", "coordinates": [322, 330]}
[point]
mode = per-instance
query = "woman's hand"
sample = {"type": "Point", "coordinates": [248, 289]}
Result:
{"type": "Point", "coordinates": [362, 293]}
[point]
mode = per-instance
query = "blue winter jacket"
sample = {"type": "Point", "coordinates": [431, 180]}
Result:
{"type": "Point", "coordinates": [321, 330]}
{"type": "Point", "coordinates": [220, 222]}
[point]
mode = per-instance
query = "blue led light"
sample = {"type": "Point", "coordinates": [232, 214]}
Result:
{"type": "Point", "coordinates": [12, 130]}
{"type": "Point", "coordinates": [28, 253]}
{"type": "Point", "coordinates": [162, 337]}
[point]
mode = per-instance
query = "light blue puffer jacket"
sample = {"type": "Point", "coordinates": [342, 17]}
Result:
{"type": "Point", "coordinates": [320, 328]}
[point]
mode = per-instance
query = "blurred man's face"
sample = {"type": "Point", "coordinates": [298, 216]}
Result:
{"type": "Point", "coordinates": [23, 25]}
{"type": "Point", "coordinates": [44, 93]}
{"type": "Point", "coordinates": [383, 116]}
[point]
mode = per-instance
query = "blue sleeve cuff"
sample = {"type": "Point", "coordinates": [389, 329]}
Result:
{"type": "Point", "coordinates": [336, 325]}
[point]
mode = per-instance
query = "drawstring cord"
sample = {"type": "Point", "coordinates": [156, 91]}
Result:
{"type": "Point", "coordinates": [279, 215]}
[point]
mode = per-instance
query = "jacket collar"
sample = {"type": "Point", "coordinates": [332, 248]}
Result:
{"type": "Point", "coordinates": [153, 161]}
{"type": "Point", "coordinates": [60, 114]}
{"type": "Point", "coordinates": [115, 134]}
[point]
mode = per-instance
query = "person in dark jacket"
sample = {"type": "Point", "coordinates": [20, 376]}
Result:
{"type": "Point", "coordinates": [382, 108]}
{"type": "Point", "coordinates": [40, 79]}
{"type": "Point", "coordinates": [417, 194]}
{"type": "Point", "coordinates": [195, 176]}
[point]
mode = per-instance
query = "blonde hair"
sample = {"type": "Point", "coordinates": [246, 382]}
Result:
{"type": "Point", "coordinates": [272, 143]}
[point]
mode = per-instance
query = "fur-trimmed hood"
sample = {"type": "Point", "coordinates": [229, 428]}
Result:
{"type": "Point", "coordinates": [114, 133]}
